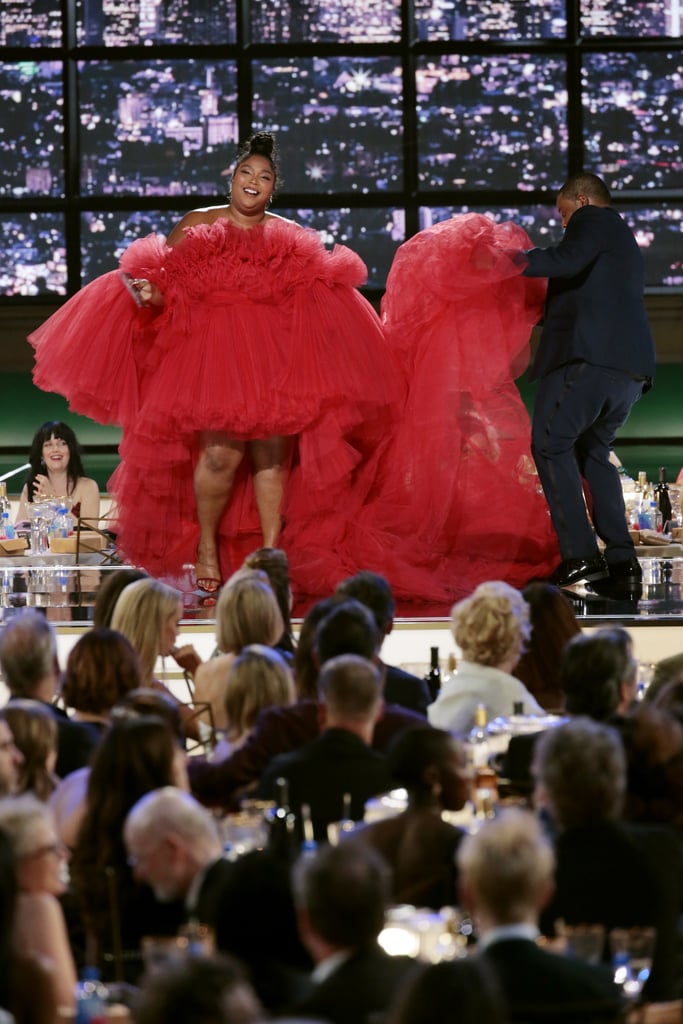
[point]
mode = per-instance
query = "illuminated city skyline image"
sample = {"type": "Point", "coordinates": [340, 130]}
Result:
{"type": "Point", "coordinates": [123, 114]}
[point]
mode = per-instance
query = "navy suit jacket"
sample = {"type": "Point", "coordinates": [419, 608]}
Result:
{"type": "Point", "coordinates": [322, 771]}
{"type": "Point", "coordinates": [544, 987]}
{"type": "Point", "coordinates": [359, 991]}
{"type": "Point", "coordinates": [594, 308]}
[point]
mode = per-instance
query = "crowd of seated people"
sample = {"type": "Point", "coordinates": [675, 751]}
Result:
{"type": "Point", "coordinates": [108, 788]}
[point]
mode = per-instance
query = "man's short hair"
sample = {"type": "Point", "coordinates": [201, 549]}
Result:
{"type": "Point", "coordinates": [349, 628]}
{"type": "Point", "coordinates": [592, 670]}
{"type": "Point", "coordinates": [582, 767]}
{"type": "Point", "coordinates": [28, 649]}
{"type": "Point", "coordinates": [587, 184]}
{"type": "Point", "coordinates": [507, 865]}
{"type": "Point", "coordinates": [373, 591]}
{"type": "Point", "coordinates": [345, 891]}
{"type": "Point", "coordinates": [350, 687]}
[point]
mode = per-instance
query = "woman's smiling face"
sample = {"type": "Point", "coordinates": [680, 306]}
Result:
{"type": "Point", "coordinates": [56, 454]}
{"type": "Point", "coordinates": [253, 183]}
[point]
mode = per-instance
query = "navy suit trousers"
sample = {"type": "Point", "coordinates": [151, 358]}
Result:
{"type": "Point", "coordinates": [578, 410]}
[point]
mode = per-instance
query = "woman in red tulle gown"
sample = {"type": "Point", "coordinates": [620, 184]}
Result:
{"type": "Point", "coordinates": [253, 384]}
{"type": "Point", "coordinates": [456, 500]}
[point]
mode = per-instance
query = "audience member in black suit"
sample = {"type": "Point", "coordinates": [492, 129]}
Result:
{"type": "Point", "coordinates": [598, 676]}
{"type": "Point", "coordinates": [331, 627]}
{"type": "Point", "coordinates": [341, 894]}
{"type": "Point", "coordinates": [418, 844]}
{"type": "Point", "coordinates": [506, 877]}
{"type": "Point", "coordinates": [175, 847]}
{"type": "Point", "coordinates": [340, 761]}
{"type": "Point", "coordinates": [606, 872]}
{"type": "Point", "coordinates": [374, 592]}
{"type": "Point", "coordinates": [28, 658]}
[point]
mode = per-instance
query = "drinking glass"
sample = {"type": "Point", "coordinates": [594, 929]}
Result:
{"type": "Point", "coordinates": [632, 951]}
{"type": "Point", "coordinates": [585, 941]}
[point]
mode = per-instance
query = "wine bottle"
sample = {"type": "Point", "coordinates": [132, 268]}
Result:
{"type": "Point", "coordinates": [433, 677]}
{"type": "Point", "coordinates": [485, 781]}
{"type": "Point", "coordinates": [663, 498]}
{"type": "Point", "coordinates": [282, 839]}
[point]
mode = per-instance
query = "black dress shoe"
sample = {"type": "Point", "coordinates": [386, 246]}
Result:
{"type": "Point", "coordinates": [628, 570]}
{"type": "Point", "coordinates": [580, 570]}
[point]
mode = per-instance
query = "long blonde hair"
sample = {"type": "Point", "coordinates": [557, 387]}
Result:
{"type": "Point", "coordinates": [141, 612]}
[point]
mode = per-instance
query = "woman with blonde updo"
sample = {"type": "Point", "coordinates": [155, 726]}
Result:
{"type": "Point", "coordinates": [247, 613]}
{"type": "Point", "coordinates": [491, 628]}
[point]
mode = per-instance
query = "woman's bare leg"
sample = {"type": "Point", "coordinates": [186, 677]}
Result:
{"type": "Point", "coordinates": [269, 463]}
{"type": "Point", "coordinates": [219, 459]}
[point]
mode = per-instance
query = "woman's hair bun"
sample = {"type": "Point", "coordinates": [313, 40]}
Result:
{"type": "Point", "coordinates": [262, 143]}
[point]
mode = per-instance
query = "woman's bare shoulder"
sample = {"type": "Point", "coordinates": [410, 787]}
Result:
{"type": "Point", "coordinates": [202, 215]}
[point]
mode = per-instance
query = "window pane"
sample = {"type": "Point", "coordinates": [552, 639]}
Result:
{"type": "Point", "coordinates": [105, 235]}
{"type": "Point", "coordinates": [157, 127]}
{"type": "Point", "coordinates": [633, 108]}
{"type": "Point", "coordinates": [491, 122]}
{"type": "Point", "coordinates": [36, 23]}
{"type": "Point", "coordinates": [111, 23]}
{"type": "Point", "coordinates": [659, 232]}
{"type": "Point", "coordinates": [34, 254]}
{"type": "Point", "coordinates": [629, 18]}
{"type": "Point", "coordinates": [490, 19]}
{"type": "Point", "coordinates": [373, 234]}
{"type": "Point", "coordinates": [315, 21]}
{"type": "Point", "coordinates": [541, 223]}
{"type": "Point", "coordinates": [31, 129]}
{"type": "Point", "coordinates": [338, 121]}
{"type": "Point", "coordinates": [31, 24]}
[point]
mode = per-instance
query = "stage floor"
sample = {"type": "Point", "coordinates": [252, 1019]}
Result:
{"type": "Point", "coordinates": [66, 592]}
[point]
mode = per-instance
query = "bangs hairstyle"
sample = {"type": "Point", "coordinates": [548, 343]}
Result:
{"type": "Point", "coordinates": [63, 432]}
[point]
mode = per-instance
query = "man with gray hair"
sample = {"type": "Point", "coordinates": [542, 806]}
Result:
{"type": "Point", "coordinates": [174, 846]}
{"type": "Point", "coordinates": [608, 872]}
{"type": "Point", "coordinates": [506, 877]}
{"type": "Point", "coordinates": [30, 668]}
{"type": "Point", "coordinates": [340, 762]}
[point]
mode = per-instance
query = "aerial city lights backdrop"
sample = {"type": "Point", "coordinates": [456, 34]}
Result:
{"type": "Point", "coordinates": [123, 114]}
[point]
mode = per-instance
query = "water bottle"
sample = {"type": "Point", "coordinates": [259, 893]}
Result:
{"type": "Point", "coordinates": [91, 998]}
{"type": "Point", "coordinates": [6, 528]}
{"type": "Point", "coordinates": [61, 524]}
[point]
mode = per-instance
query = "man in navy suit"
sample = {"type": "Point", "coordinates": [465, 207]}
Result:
{"type": "Point", "coordinates": [595, 359]}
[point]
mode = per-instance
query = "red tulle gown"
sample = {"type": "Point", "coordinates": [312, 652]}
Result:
{"type": "Point", "coordinates": [263, 333]}
{"type": "Point", "coordinates": [456, 500]}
